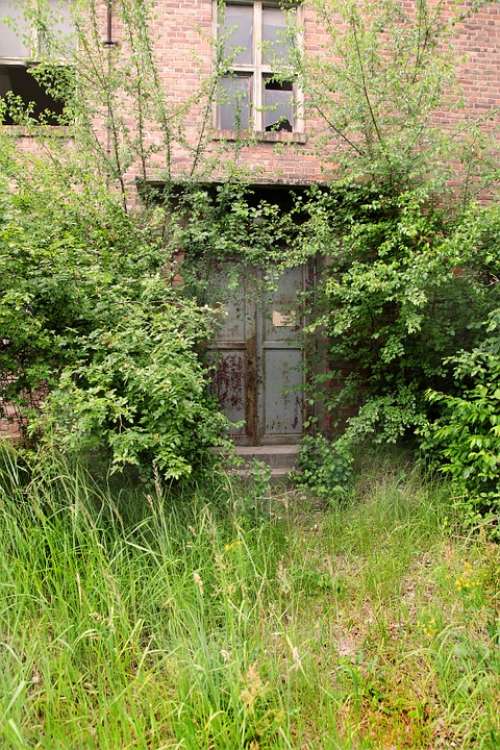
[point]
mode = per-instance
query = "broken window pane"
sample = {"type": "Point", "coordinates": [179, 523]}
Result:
{"type": "Point", "coordinates": [278, 105]}
{"type": "Point", "coordinates": [234, 102]}
{"type": "Point", "coordinates": [276, 44]}
{"type": "Point", "coordinates": [236, 30]}
{"type": "Point", "coordinates": [18, 80]}
{"type": "Point", "coordinates": [13, 30]}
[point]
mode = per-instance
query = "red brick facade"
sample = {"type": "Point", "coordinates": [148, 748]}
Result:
{"type": "Point", "coordinates": [184, 28]}
{"type": "Point", "coordinates": [183, 32]}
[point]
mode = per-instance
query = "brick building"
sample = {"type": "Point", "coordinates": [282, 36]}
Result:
{"type": "Point", "coordinates": [284, 152]}
{"type": "Point", "coordinates": [256, 382]}
{"type": "Point", "coordinates": [254, 38]}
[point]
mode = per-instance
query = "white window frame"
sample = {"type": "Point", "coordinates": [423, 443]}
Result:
{"type": "Point", "coordinates": [34, 42]}
{"type": "Point", "coordinates": [258, 69]}
{"type": "Point", "coordinates": [33, 53]}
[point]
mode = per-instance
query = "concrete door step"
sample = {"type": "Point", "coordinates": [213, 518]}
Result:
{"type": "Point", "coordinates": [281, 459]}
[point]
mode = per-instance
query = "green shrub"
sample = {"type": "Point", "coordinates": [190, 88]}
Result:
{"type": "Point", "coordinates": [139, 391]}
{"type": "Point", "coordinates": [325, 467]}
{"type": "Point", "coordinates": [465, 439]}
{"type": "Point", "coordinates": [69, 260]}
{"type": "Point", "coordinates": [404, 288]}
{"type": "Point", "coordinates": [90, 326]}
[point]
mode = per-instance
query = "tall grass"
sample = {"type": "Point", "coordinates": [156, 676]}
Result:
{"type": "Point", "coordinates": [224, 618]}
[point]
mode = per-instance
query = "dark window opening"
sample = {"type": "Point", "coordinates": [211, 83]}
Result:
{"type": "Point", "coordinates": [19, 80]}
{"type": "Point", "coordinates": [279, 105]}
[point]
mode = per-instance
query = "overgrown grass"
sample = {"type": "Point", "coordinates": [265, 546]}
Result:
{"type": "Point", "coordinates": [222, 619]}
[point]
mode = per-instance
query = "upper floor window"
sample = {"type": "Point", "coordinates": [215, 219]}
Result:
{"type": "Point", "coordinates": [256, 44]}
{"type": "Point", "coordinates": [23, 40]}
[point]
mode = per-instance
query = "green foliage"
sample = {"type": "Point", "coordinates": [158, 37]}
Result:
{"type": "Point", "coordinates": [404, 286]}
{"type": "Point", "coordinates": [229, 226]}
{"type": "Point", "coordinates": [384, 70]}
{"type": "Point", "coordinates": [182, 618]}
{"type": "Point", "coordinates": [465, 439]}
{"type": "Point", "coordinates": [90, 327]}
{"type": "Point", "coordinates": [60, 254]}
{"type": "Point", "coordinates": [139, 391]}
{"type": "Point", "coordinates": [325, 467]}
{"type": "Point", "coordinates": [403, 279]}
{"type": "Point", "coordinates": [402, 291]}
{"type": "Point", "coordinates": [408, 267]}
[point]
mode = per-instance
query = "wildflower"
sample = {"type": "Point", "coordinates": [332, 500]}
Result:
{"type": "Point", "coordinates": [232, 545]}
{"type": "Point", "coordinates": [430, 627]}
{"type": "Point", "coordinates": [466, 581]}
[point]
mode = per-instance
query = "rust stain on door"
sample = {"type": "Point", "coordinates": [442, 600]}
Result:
{"type": "Point", "coordinates": [229, 381]}
{"type": "Point", "coordinates": [251, 388]}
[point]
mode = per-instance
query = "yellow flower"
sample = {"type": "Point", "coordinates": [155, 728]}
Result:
{"type": "Point", "coordinates": [232, 545]}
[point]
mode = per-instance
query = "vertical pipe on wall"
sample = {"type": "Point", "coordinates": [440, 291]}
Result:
{"type": "Point", "coordinates": [109, 24]}
{"type": "Point", "coordinates": [109, 44]}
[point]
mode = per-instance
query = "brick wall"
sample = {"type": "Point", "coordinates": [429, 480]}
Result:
{"type": "Point", "coordinates": [182, 36]}
{"type": "Point", "coordinates": [183, 29]}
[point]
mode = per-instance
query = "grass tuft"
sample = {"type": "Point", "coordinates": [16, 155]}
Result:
{"type": "Point", "coordinates": [219, 617]}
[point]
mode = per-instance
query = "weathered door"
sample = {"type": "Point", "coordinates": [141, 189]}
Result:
{"type": "Point", "coordinates": [280, 364]}
{"type": "Point", "coordinates": [259, 357]}
{"type": "Point", "coordinates": [234, 352]}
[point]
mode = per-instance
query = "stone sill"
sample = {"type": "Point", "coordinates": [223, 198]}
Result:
{"type": "Point", "coordinates": [258, 136]}
{"type": "Point", "coordinates": [39, 131]}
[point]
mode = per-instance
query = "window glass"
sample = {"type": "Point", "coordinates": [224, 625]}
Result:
{"type": "Point", "coordinates": [278, 103]}
{"type": "Point", "coordinates": [275, 40]}
{"type": "Point", "coordinates": [13, 32]}
{"type": "Point", "coordinates": [236, 28]}
{"type": "Point", "coordinates": [234, 106]}
{"type": "Point", "coordinates": [61, 19]}
{"type": "Point", "coordinates": [62, 30]}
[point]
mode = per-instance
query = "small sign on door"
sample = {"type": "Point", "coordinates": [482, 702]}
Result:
{"type": "Point", "coordinates": [284, 320]}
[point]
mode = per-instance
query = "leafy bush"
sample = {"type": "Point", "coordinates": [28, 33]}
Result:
{"type": "Point", "coordinates": [66, 258]}
{"type": "Point", "coordinates": [139, 391]}
{"type": "Point", "coordinates": [325, 467]}
{"type": "Point", "coordinates": [465, 440]}
{"type": "Point", "coordinates": [404, 287]}
{"type": "Point", "coordinates": [409, 270]}
{"type": "Point", "coordinates": [90, 327]}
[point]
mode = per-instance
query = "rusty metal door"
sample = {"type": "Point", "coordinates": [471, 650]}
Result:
{"type": "Point", "coordinates": [258, 354]}
{"type": "Point", "coordinates": [234, 352]}
{"type": "Point", "coordinates": [280, 362]}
